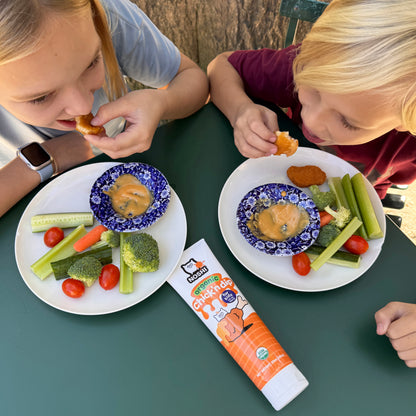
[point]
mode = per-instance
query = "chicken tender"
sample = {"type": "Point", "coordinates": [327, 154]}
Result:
{"type": "Point", "coordinates": [304, 176]}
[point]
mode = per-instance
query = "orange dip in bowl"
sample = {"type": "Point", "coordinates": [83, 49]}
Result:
{"type": "Point", "coordinates": [279, 222]}
{"type": "Point", "coordinates": [129, 197]}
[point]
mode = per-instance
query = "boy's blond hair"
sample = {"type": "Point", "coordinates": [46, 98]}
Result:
{"type": "Point", "coordinates": [21, 24]}
{"type": "Point", "coordinates": [364, 45]}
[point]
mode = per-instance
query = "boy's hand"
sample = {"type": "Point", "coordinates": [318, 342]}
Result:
{"type": "Point", "coordinates": [142, 110]}
{"type": "Point", "coordinates": [253, 130]}
{"type": "Point", "coordinates": [397, 320]}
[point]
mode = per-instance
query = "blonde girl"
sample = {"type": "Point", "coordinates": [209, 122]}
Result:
{"type": "Point", "coordinates": [60, 59]}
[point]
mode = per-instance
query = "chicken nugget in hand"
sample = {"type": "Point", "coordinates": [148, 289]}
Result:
{"type": "Point", "coordinates": [286, 145]}
{"type": "Point", "coordinates": [84, 126]}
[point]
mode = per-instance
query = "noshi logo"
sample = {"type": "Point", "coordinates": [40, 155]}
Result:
{"type": "Point", "coordinates": [194, 269]}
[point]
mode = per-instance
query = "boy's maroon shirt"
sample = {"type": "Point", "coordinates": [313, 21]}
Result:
{"type": "Point", "coordinates": [267, 74]}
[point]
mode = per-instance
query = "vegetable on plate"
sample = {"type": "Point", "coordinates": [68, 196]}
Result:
{"type": "Point", "coordinates": [42, 267]}
{"type": "Point", "coordinates": [60, 268]}
{"type": "Point", "coordinates": [43, 222]}
{"type": "Point", "coordinates": [339, 258]}
{"type": "Point", "coordinates": [140, 252]}
{"type": "Point", "coordinates": [92, 237]}
{"type": "Point", "coordinates": [53, 236]}
{"type": "Point", "coordinates": [73, 288]}
{"type": "Point", "coordinates": [109, 276]}
{"type": "Point", "coordinates": [338, 242]}
{"type": "Point", "coordinates": [368, 214]}
{"type": "Point", "coordinates": [86, 269]}
{"type": "Point", "coordinates": [301, 263]}
{"type": "Point", "coordinates": [352, 202]}
{"type": "Point", "coordinates": [126, 274]}
{"type": "Point", "coordinates": [356, 244]}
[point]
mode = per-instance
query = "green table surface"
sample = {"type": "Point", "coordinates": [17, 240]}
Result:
{"type": "Point", "coordinates": [157, 357]}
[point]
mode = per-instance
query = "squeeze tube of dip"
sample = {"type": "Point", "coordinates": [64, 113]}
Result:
{"type": "Point", "coordinates": [213, 296]}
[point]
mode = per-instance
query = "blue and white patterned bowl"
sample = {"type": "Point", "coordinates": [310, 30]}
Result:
{"type": "Point", "coordinates": [149, 176]}
{"type": "Point", "coordinates": [262, 197]}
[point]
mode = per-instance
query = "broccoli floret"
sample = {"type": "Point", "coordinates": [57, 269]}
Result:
{"type": "Point", "coordinates": [87, 269]}
{"type": "Point", "coordinates": [322, 198]}
{"type": "Point", "coordinates": [341, 217]}
{"type": "Point", "coordinates": [110, 237]}
{"type": "Point", "coordinates": [327, 234]}
{"type": "Point", "coordinates": [141, 252]}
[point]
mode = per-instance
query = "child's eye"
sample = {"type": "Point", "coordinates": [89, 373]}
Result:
{"type": "Point", "coordinates": [347, 125]}
{"type": "Point", "coordinates": [95, 61]}
{"type": "Point", "coordinates": [40, 100]}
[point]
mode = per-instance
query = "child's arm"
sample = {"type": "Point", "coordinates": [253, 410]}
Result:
{"type": "Point", "coordinates": [143, 110]}
{"type": "Point", "coordinates": [253, 124]}
{"type": "Point", "coordinates": [17, 180]}
{"type": "Point", "coordinates": [397, 320]}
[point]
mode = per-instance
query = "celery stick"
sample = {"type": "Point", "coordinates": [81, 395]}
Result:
{"type": "Point", "coordinates": [336, 244]}
{"type": "Point", "coordinates": [42, 267]}
{"type": "Point", "coordinates": [336, 187]}
{"type": "Point", "coordinates": [368, 214]}
{"type": "Point", "coordinates": [43, 222]}
{"type": "Point", "coordinates": [352, 202]}
{"type": "Point", "coordinates": [126, 274]}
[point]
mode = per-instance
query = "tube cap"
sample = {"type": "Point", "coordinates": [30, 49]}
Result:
{"type": "Point", "coordinates": [284, 386]}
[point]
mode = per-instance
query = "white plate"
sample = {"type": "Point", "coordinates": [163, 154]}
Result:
{"type": "Point", "coordinates": [70, 192]}
{"type": "Point", "coordinates": [278, 270]}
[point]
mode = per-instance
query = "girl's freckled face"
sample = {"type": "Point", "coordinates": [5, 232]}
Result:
{"type": "Point", "coordinates": [57, 81]}
{"type": "Point", "coordinates": [331, 119]}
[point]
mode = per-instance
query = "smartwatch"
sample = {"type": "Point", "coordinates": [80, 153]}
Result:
{"type": "Point", "coordinates": [37, 159]}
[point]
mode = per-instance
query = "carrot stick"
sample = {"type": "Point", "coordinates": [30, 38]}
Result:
{"type": "Point", "coordinates": [92, 237]}
{"type": "Point", "coordinates": [325, 217]}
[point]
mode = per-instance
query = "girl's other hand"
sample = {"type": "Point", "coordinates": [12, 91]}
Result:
{"type": "Point", "coordinates": [397, 320]}
{"type": "Point", "coordinates": [142, 110]}
{"type": "Point", "coordinates": [253, 130]}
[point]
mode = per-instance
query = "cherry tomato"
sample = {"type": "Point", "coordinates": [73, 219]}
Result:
{"type": "Point", "coordinates": [73, 288]}
{"type": "Point", "coordinates": [356, 244]}
{"type": "Point", "coordinates": [53, 236]}
{"type": "Point", "coordinates": [301, 264]}
{"type": "Point", "coordinates": [109, 277]}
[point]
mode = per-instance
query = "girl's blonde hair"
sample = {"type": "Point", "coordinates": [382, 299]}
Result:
{"type": "Point", "coordinates": [363, 46]}
{"type": "Point", "coordinates": [21, 23]}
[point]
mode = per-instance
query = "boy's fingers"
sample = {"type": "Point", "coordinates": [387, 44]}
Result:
{"type": "Point", "coordinates": [385, 316]}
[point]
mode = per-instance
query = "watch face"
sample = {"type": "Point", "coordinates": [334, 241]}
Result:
{"type": "Point", "coordinates": [36, 155]}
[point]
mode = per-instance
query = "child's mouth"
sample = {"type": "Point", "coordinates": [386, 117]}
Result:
{"type": "Point", "coordinates": [311, 137]}
{"type": "Point", "coordinates": [67, 124]}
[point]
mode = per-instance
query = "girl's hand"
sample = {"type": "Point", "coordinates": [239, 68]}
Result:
{"type": "Point", "coordinates": [253, 130]}
{"type": "Point", "coordinates": [142, 110]}
{"type": "Point", "coordinates": [397, 320]}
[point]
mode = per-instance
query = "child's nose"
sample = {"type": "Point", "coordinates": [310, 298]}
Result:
{"type": "Point", "coordinates": [78, 101]}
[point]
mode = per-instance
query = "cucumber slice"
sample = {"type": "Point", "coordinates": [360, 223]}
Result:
{"type": "Point", "coordinates": [60, 267]}
{"type": "Point", "coordinates": [340, 258]}
{"type": "Point", "coordinates": [43, 222]}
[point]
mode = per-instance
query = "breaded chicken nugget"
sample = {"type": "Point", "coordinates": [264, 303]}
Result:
{"type": "Point", "coordinates": [286, 145]}
{"type": "Point", "coordinates": [304, 176]}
